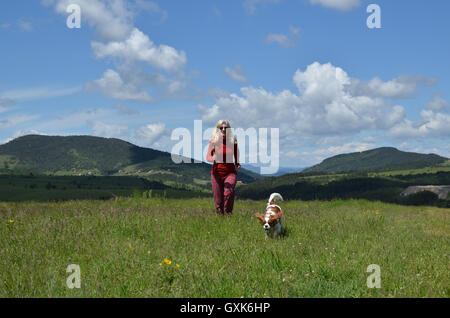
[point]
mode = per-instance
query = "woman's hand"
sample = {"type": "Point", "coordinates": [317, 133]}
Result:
{"type": "Point", "coordinates": [210, 153]}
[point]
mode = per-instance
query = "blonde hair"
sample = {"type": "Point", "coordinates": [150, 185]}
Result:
{"type": "Point", "coordinates": [217, 134]}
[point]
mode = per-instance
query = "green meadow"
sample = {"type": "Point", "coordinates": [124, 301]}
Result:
{"type": "Point", "coordinates": [156, 247]}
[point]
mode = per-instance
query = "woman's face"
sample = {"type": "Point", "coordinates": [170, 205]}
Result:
{"type": "Point", "coordinates": [223, 128]}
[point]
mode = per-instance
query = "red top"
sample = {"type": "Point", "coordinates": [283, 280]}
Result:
{"type": "Point", "coordinates": [223, 168]}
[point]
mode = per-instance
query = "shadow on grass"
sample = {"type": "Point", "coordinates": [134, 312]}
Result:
{"type": "Point", "coordinates": [283, 235]}
{"type": "Point", "coordinates": [284, 232]}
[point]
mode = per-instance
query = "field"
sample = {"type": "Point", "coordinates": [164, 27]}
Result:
{"type": "Point", "coordinates": [60, 188]}
{"type": "Point", "coordinates": [136, 247]}
{"type": "Point", "coordinates": [355, 185]}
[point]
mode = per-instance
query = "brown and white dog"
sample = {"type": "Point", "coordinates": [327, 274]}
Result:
{"type": "Point", "coordinates": [272, 219]}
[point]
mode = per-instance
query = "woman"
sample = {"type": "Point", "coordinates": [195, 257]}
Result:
{"type": "Point", "coordinates": [222, 149]}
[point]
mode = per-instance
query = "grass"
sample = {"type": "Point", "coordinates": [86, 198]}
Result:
{"type": "Point", "coordinates": [61, 188]}
{"type": "Point", "coordinates": [428, 170]}
{"type": "Point", "coordinates": [123, 247]}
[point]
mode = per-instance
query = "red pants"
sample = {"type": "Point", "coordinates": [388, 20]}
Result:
{"type": "Point", "coordinates": [223, 191]}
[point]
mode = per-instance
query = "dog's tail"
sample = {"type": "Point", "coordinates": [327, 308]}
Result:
{"type": "Point", "coordinates": [274, 197]}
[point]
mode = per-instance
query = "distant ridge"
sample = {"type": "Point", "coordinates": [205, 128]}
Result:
{"type": "Point", "coordinates": [69, 155]}
{"type": "Point", "coordinates": [281, 171]}
{"type": "Point", "coordinates": [63, 153]}
{"type": "Point", "coordinates": [378, 159]}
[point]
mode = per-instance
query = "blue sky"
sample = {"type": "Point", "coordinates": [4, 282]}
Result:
{"type": "Point", "coordinates": [136, 70]}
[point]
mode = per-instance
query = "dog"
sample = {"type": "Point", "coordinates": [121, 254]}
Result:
{"type": "Point", "coordinates": [272, 219]}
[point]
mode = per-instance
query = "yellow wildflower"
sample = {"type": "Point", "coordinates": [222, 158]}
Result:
{"type": "Point", "coordinates": [177, 265]}
{"type": "Point", "coordinates": [167, 261]}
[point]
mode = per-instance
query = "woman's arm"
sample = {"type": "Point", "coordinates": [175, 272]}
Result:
{"type": "Point", "coordinates": [210, 153]}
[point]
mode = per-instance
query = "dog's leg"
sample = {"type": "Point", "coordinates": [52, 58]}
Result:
{"type": "Point", "coordinates": [277, 230]}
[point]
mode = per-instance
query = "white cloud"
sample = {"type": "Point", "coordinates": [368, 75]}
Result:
{"type": "Point", "coordinates": [324, 106]}
{"type": "Point", "coordinates": [15, 120]}
{"type": "Point", "coordinates": [434, 122]}
{"type": "Point", "coordinates": [125, 110]}
{"type": "Point", "coordinates": [120, 40]}
{"type": "Point", "coordinates": [109, 130]}
{"type": "Point", "coordinates": [292, 154]}
{"type": "Point", "coordinates": [77, 119]}
{"type": "Point", "coordinates": [430, 124]}
{"type": "Point", "coordinates": [153, 135]}
{"type": "Point", "coordinates": [295, 31]}
{"type": "Point", "coordinates": [112, 85]}
{"type": "Point", "coordinates": [321, 81]}
{"type": "Point", "coordinates": [321, 154]}
{"type": "Point", "coordinates": [438, 103]}
{"type": "Point", "coordinates": [326, 109]}
{"type": "Point", "coordinates": [250, 5]}
{"type": "Point", "coordinates": [21, 133]}
{"type": "Point", "coordinates": [149, 134]}
{"type": "Point", "coordinates": [217, 92]}
{"type": "Point", "coordinates": [25, 25]}
{"type": "Point", "coordinates": [286, 40]}
{"type": "Point", "coordinates": [113, 20]}
{"type": "Point", "coordinates": [176, 86]}
{"type": "Point", "coordinates": [6, 104]}
{"type": "Point", "coordinates": [138, 47]}
{"type": "Point", "coordinates": [370, 139]}
{"type": "Point", "coordinates": [152, 8]}
{"type": "Point", "coordinates": [403, 86]}
{"type": "Point", "coordinates": [426, 148]}
{"type": "Point", "coordinates": [330, 140]}
{"type": "Point", "coordinates": [38, 93]}
{"type": "Point", "coordinates": [236, 73]}
{"type": "Point", "coordinates": [342, 5]}
{"type": "Point", "coordinates": [280, 39]}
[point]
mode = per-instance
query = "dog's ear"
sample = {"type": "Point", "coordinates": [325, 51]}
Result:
{"type": "Point", "coordinates": [260, 218]}
{"type": "Point", "coordinates": [275, 217]}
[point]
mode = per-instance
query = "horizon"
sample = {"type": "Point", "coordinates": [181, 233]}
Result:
{"type": "Point", "coordinates": [315, 69]}
{"type": "Point", "coordinates": [243, 164]}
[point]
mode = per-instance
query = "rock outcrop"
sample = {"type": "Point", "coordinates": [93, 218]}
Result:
{"type": "Point", "coordinates": [442, 191]}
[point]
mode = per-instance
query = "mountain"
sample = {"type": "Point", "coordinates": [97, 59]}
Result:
{"type": "Point", "coordinates": [86, 155]}
{"type": "Point", "coordinates": [50, 154]}
{"type": "Point", "coordinates": [281, 171]}
{"type": "Point", "coordinates": [347, 176]}
{"type": "Point", "coordinates": [379, 159]}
